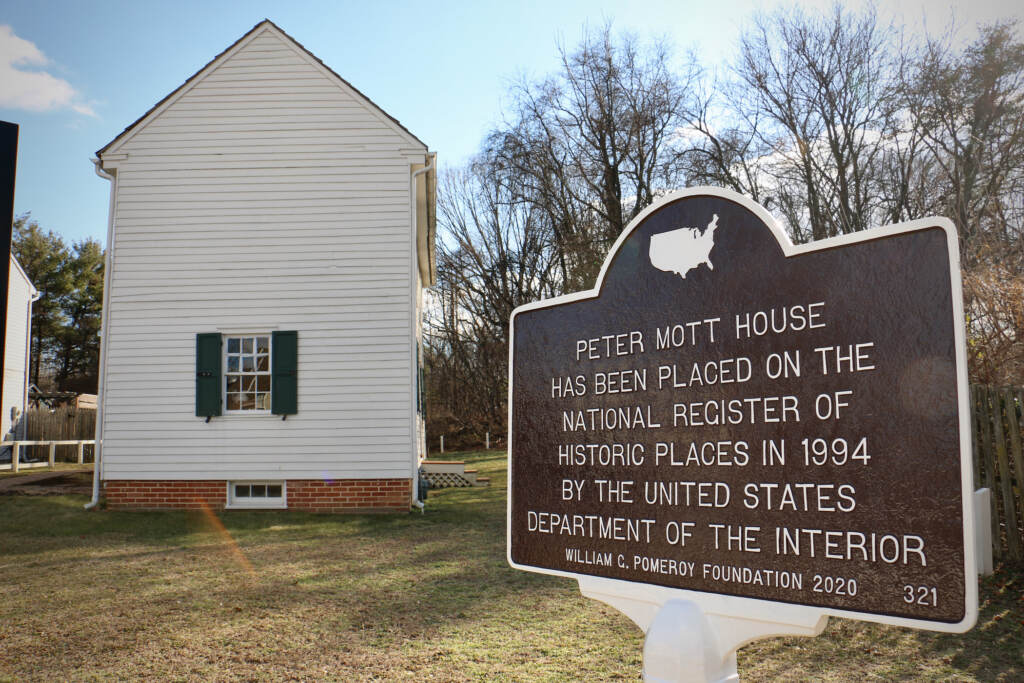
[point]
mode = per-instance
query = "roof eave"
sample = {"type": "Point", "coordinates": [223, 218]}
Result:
{"type": "Point", "coordinates": [125, 134]}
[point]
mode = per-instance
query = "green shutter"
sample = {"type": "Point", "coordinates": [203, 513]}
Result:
{"type": "Point", "coordinates": [208, 381]}
{"type": "Point", "coordinates": [284, 364]}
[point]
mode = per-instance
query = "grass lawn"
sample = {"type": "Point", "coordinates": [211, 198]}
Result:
{"type": "Point", "coordinates": [291, 596]}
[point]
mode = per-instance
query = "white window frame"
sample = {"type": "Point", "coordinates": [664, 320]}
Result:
{"type": "Point", "coordinates": [225, 337]}
{"type": "Point", "coordinates": [250, 503]}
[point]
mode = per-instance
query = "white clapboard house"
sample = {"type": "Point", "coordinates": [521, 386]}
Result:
{"type": "Point", "coordinates": [271, 232]}
{"type": "Point", "coordinates": [18, 332]}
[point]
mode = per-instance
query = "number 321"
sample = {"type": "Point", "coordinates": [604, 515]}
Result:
{"type": "Point", "coordinates": [927, 596]}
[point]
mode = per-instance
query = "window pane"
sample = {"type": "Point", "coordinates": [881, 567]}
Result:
{"type": "Point", "coordinates": [241, 490]}
{"type": "Point", "coordinates": [247, 366]}
{"type": "Point", "coordinates": [259, 491]}
{"type": "Point", "coordinates": [274, 491]}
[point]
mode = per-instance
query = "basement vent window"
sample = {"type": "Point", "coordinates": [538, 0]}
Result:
{"type": "Point", "coordinates": [256, 494]}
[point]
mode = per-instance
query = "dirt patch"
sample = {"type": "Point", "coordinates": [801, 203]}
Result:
{"type": "Point", "coordinates": [49, 484]}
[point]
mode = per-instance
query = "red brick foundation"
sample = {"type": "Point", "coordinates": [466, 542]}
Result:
{"type": "Point", "coordinates": [350, 495]}
{"type": "Point", "coordinates": [346, 495]}
{"type": "Point", "coordinates": [149, 495]}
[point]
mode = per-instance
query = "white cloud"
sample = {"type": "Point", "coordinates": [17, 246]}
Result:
{"type": "Point", "coordinates": [32, 89]}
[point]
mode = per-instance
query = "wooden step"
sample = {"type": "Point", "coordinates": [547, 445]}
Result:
{"type": "Point", "coordinates": [447, 474]}
{"type": "Point", "coordinates": [451, 473]}
{"type": "Point", "coordinates": [444, 466]}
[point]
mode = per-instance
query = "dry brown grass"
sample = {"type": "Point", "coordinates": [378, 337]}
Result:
{"type": "Point", "coordinates": [58, 466]}
{"type": "Point", "coordinates": [170, 596]}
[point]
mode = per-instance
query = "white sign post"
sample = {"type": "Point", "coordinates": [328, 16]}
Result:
{"type": "Point", "coordinates": [694, 636]}
{"type": "Point", "coordinates": [732, 437]}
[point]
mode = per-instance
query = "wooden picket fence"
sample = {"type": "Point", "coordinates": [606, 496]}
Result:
{"type": "Point", "coordinates": [999, 464]}
{"type": "Point", "coordinates": [64, 423]}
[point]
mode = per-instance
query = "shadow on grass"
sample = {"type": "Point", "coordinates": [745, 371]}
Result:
{"type": "Point", "coordinates": [449, 557]}
{"type": "Point", "coordinates": [164, 595]}
{"type": "Point", "coordinates": [997, 641]}
{"type": "Point", "coordinates": [148, 586]}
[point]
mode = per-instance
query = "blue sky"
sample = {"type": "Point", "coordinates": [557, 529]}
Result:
{"type": "Point", "coordinates": [74, 74]}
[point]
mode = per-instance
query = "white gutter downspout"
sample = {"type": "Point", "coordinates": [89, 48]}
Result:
{"type": "Point", "coordinates": [413, 276]}
{"type": "Point", "coordinates": [97, 449]}
{"type": "Point", "coordinates": [28, 362]}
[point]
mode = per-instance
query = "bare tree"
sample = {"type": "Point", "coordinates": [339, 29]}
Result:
{"type": "Point", "coordinates": [496, 246]}
{"type": "Point", "coordinates": [827, 119]}
{"type": "Point", "coordinates": [596, 143]}
{"type": "Point", "coordinates": [969, 110]}
{"type": "Point", "coordinates": [812, 108]}
{"type": "Point", "coordinates": [495, 254]}
{"type": "Point", "coordinates": [583, 152]}
{"type": "Point", "coordinates": [725, 152]}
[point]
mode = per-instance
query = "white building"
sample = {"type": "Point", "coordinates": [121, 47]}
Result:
{"type": "Point", "coordinates": [20, 295]}
{"type": "Point", "coordinates": [271, 231]}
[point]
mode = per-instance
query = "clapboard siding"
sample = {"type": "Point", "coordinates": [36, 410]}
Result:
{"type": "Point", "coordinates": [340, 195]}
{"type": "Point", "coordinates": [329, 187]}
{"type": "Point", "coordinates": [228, 259]}
{"type": "Point", "coordinates": [325, 160]}
{"type": "Point", "coordinates": [317, 470]}
{"type": "Point", "coordinates": [19, 297]}
{"type": "Point", "coordinates": [267, 195]}
{"type": "Point", "coordinates": [258, 243]}
{"type": "Point", "coordinates": [236, 214]}
{"type": "Point", "coordinates": [381, 186]}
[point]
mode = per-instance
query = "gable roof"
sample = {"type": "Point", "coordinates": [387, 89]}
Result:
{"type": "Point", "coordinates": [173, 95]}
{"type": "Point", "coordinates": [17, 267]}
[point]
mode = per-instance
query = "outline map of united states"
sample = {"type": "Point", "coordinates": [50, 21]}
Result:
{"type": "Point", "coordinates": [680, 251]}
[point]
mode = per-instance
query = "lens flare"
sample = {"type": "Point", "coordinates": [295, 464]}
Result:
{"type": "Point", "coordinates": [217, 526]}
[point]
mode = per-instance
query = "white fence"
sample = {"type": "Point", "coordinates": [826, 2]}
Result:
{"type": "Point", "coordinates": [16, 446]}
{"type": "Point", "coordinates": [487, 442]}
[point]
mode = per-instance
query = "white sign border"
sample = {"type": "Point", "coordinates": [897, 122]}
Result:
{"type": "Point", "coordinates": [740, 605]}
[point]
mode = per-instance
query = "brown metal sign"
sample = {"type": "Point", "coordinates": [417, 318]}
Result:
{"type": "Point", "coordinates": [728, 413]}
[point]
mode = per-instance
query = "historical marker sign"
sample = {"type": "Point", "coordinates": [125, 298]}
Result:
{"type": "Point", "coordinates": [730, 414]}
